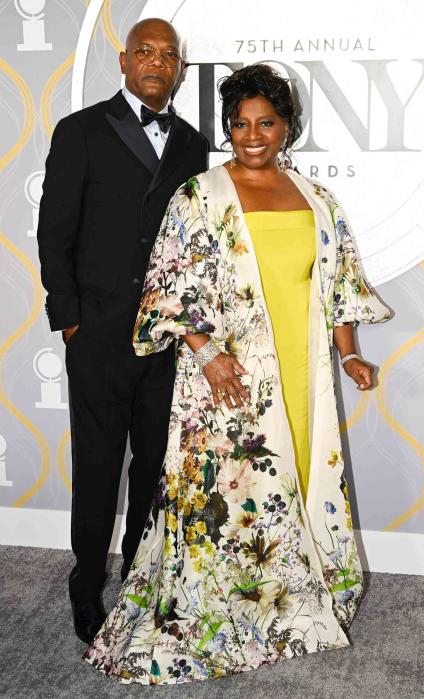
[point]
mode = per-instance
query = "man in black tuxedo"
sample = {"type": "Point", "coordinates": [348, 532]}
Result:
{"type": "Point", "coordinates": [110, 173]}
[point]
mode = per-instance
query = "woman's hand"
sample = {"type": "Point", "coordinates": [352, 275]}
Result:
{"type": "Point", "coordinates": [360, 372]}
{"type": "Point", "coordinates": [222, 376]}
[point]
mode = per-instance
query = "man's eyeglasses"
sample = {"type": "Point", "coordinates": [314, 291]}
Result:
{"type": "Point", "coordinates": [145, 53]}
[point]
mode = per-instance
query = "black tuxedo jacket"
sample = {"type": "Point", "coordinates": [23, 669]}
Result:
{"type": "Point", "coordinates": [104, 196]}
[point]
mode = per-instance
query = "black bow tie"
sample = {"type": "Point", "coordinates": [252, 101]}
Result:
{"type": "Point", "coordinates": [164, 120]}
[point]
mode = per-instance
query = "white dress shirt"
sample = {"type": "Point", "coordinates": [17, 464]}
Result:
{"type": "Point", "coordinates": [156, 137]}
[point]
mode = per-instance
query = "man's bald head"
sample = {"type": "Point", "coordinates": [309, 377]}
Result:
{"type": "Point", "coordinates": [155, 25]}
{"type": "Point", "coordinates": [152, 75]}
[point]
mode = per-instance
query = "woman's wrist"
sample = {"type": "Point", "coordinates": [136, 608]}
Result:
{"type": "Point", "coordinates": [206, 353]}
{"type": "Point", "coordinates": [344, 340]}
{"type": "Point", "coordinates": [348, 357]}
{"type": "Point", "coordinates": [196, 340]}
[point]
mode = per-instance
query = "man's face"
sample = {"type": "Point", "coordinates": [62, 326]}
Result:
{"type": "Point", "coordinates": [151, 63]}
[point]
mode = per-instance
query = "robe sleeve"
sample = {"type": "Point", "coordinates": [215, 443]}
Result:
{"type": "Point", "coordinates": [180, 294]}
{"type": "Point", "coordinates": [355, 301]}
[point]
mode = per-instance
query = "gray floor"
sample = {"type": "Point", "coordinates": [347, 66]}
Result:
{"type": "Point", "coordinates": [40, 656]}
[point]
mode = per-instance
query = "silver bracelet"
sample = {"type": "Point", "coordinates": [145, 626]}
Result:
{"type": "Point", "coordinates": [206, 353]}
{"type": "Point", "coordinates": [345, 359]}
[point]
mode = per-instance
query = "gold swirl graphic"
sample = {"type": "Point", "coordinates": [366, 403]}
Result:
{"type": "Point", "coordinates": [61, 459]}
{"type": "Point", "coordinates": [30, 320]}
{"type": "Point", "coordinates": [413, 510]}
{"type": "Point", "coordinates": [108, 27]}
{"type": "Point", "coordinates": [393, 359]}
{"type": "Point", "coordinates": [29, 113]}
{"type": "Point", "coordinates": [46, 95]}
{"type": "Point", "coordinates": [357, 414]}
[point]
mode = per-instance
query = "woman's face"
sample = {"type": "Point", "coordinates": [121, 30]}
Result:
{"type": "Point", "coordinates": [257, 133]}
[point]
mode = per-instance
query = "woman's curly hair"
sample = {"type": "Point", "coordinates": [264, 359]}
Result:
{"type": "Point", "coordinates": [254, 80]}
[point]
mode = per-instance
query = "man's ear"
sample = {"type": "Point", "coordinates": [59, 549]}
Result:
{"type": "Point", "coordinates": [123, 61]}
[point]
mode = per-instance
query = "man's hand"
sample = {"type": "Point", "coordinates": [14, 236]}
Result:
{"type": "Point", "coordinates": [67, 334]}
{"type": "Point", "coordinates": [222, 375]}
{"type": "Point", "coordinates": [360, 372]}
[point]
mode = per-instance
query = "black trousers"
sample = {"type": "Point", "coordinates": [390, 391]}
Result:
{"type": "Point", "coordinates": [113, 393]}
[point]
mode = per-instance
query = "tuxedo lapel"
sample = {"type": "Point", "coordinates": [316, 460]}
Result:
{"type": "Point", "coordinates": [175, 149]}
{"type": "Point", "coordinates": [123, 120]}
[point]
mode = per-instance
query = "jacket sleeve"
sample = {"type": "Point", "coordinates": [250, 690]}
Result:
{"type": "Point", "coordinates": [181, 290]}
{"type": "Point", "coordinates": [60, 211]}
{"type": "Point", "coordinates": [355, 301]}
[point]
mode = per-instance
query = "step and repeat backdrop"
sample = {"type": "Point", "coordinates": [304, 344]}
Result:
{"type": "Point", "coordinates": [359, 70]}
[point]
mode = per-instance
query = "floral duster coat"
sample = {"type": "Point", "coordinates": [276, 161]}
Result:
{"type": "Point", "coordinates": [234, 570]}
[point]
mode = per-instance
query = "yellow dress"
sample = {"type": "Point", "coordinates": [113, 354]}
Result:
{"type": "Point", "coordinates": [284, 244]}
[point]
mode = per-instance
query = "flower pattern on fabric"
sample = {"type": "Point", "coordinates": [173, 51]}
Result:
{"type": "Point", "coordinates": [234, 570]}
{"type": "Point", "coordinates": [353, 298]}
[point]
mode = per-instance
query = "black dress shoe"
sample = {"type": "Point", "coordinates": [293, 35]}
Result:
{"type": "Point", "coordinates": [89, 615]}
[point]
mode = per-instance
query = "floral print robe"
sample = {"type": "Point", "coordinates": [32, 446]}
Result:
{"type": "Point", "coordinates": [234, 570]}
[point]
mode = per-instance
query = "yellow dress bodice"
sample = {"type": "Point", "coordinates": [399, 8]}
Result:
{"type": "Point", "coordinates": [285, 248]}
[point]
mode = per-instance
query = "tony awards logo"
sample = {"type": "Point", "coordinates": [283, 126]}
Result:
{"type": "Point", "coordinates": [33, 189]}
{"type": "Point", "coordinates": [32, 13]}
{"type": "Point", "coordinates": [3, 480]}
{"type": "Point", "coordinates": [48, 367]}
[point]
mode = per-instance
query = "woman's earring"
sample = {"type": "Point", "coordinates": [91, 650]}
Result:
{"type": "Point", "coordinates": [233, 158]}
{"type": "Point", "coordinates": [284, 158]}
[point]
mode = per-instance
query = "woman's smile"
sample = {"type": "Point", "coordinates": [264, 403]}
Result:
{"type": "Point", "coordinates": [255, 150]}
